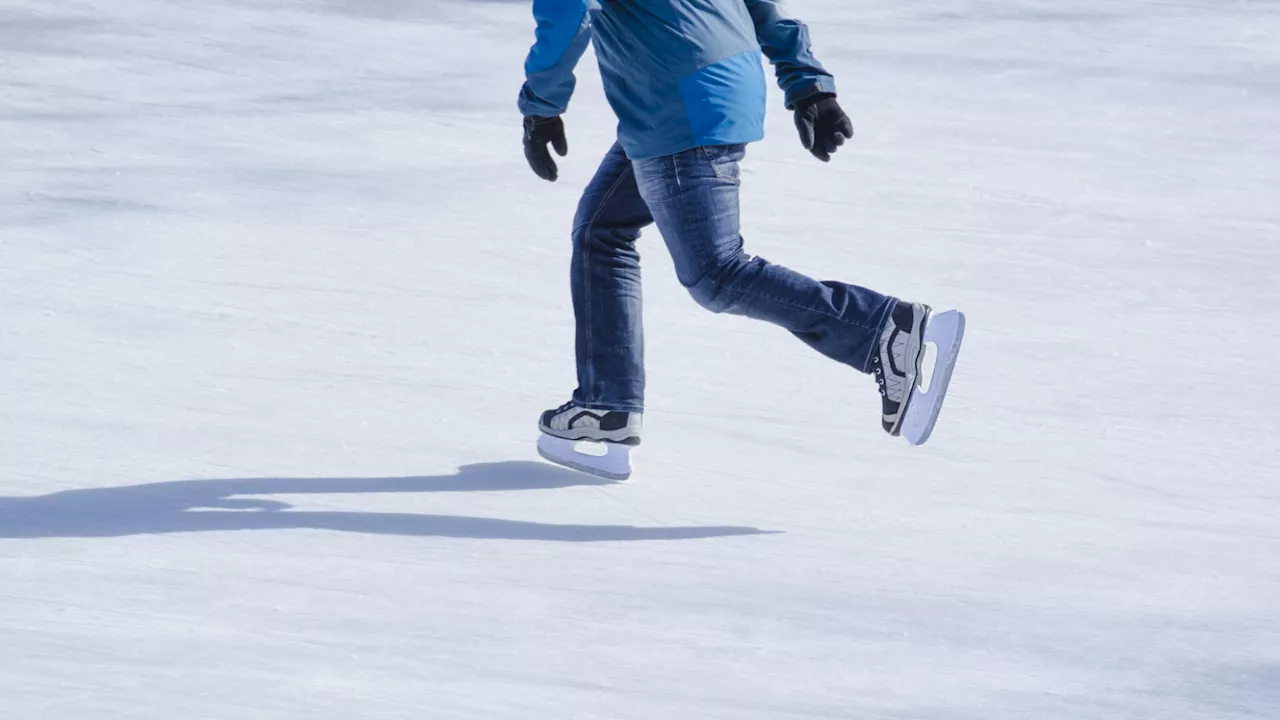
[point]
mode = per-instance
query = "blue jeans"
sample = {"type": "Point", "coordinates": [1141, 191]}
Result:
{"type": "Point", "coordinates": [693, 198]}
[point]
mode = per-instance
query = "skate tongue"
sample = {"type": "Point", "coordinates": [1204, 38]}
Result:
{"type": "Point", "coordinates": [602, 459]}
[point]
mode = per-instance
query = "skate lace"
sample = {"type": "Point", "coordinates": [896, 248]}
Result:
{"type": "Point", "coordinates": [891, 386]}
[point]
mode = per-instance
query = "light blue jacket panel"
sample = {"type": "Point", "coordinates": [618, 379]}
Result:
{"type": "Point", "coordinates": [678, 73]}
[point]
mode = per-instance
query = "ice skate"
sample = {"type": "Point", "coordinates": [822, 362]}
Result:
{"type": "Point", "coordinates": [598, 442]}
{"type": "Point", "coordinates": [912, 398]}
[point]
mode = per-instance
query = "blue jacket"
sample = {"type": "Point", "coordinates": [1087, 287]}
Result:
{"type": "Point", "coordinates": [678, 73]}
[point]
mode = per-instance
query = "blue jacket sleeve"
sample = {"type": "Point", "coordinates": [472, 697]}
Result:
{"type": "Point", "coordinates": [564, 30]}
{"type": "Point", "coordinates": [786, 43]}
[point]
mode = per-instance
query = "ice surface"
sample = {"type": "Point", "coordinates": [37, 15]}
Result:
{"type": "Point", "coordinates": [280, 303]}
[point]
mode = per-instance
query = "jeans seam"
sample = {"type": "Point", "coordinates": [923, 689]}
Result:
{"type": "Point", "coordinates": [604, 199]}
{"type": "Point", "coordinates": [872, 347]}
{"type": "Point", "coordinates": [740, 294]}
{"type": "Point", "coordinates": [586, 271]}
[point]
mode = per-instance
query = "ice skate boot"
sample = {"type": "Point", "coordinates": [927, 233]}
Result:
{"type": "Point", "coordinates": [912, 394]}
{"type": "Point", "coordinates": [598, 442]}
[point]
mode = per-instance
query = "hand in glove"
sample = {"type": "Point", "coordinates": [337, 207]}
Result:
{"type": "Point", "coordinates": [822, 124]}
{"type": "Point", "coordinates": [538, 131]}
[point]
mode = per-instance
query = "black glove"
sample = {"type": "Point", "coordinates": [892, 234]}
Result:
{"type": "Point", "coordinates": [822, 124]}
{"type": "Point", "coordinates": [538, 131]}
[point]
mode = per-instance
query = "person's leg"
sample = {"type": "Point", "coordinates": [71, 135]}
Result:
{"type": "Point", "coordinates": [606, 289]}
{"type": "Point", "coordinates": [693, 197]}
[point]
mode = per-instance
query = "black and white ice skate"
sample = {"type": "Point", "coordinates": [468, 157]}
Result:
{"type": "Point", "coordinates": [598, 442]}
{"type": "Point", "coordinates": [912, 398]}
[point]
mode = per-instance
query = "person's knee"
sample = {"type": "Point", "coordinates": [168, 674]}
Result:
{"type": "Point", "coordinates": [710, 295]}
{"type": "Point", "coordinates": [599, 239]}
{"type": "Point", "coordinates": [581, 234]}
{"type": "Point", "coordinates": [715, 289]}
{"type": "Point", "coordinates": [589, 209]}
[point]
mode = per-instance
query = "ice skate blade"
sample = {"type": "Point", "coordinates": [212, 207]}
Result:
{"type": "Point", "coordinates": [945, 331]}
{"type": "Point", "coordinates": [613, 462]}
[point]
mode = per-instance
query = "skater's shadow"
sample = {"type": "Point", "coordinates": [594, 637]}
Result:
{"type": "Point", "coordinates": [202, 505]}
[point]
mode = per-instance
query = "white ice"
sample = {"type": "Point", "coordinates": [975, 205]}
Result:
{"type": "Point", "coordinates": [280, 303]}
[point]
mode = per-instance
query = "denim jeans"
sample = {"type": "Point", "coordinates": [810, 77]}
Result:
{"type": "Point", "coordinates": [693, 198]}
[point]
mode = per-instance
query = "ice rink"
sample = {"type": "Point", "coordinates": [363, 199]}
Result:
{"type": "Point", "coordinates": [280, 302]}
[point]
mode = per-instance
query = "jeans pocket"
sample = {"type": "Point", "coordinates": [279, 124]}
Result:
{"type": "Point", "coordinates": [723, 160]}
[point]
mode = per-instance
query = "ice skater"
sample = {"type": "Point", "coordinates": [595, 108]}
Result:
{"type": "Point", "coordinates": [685, 79]}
